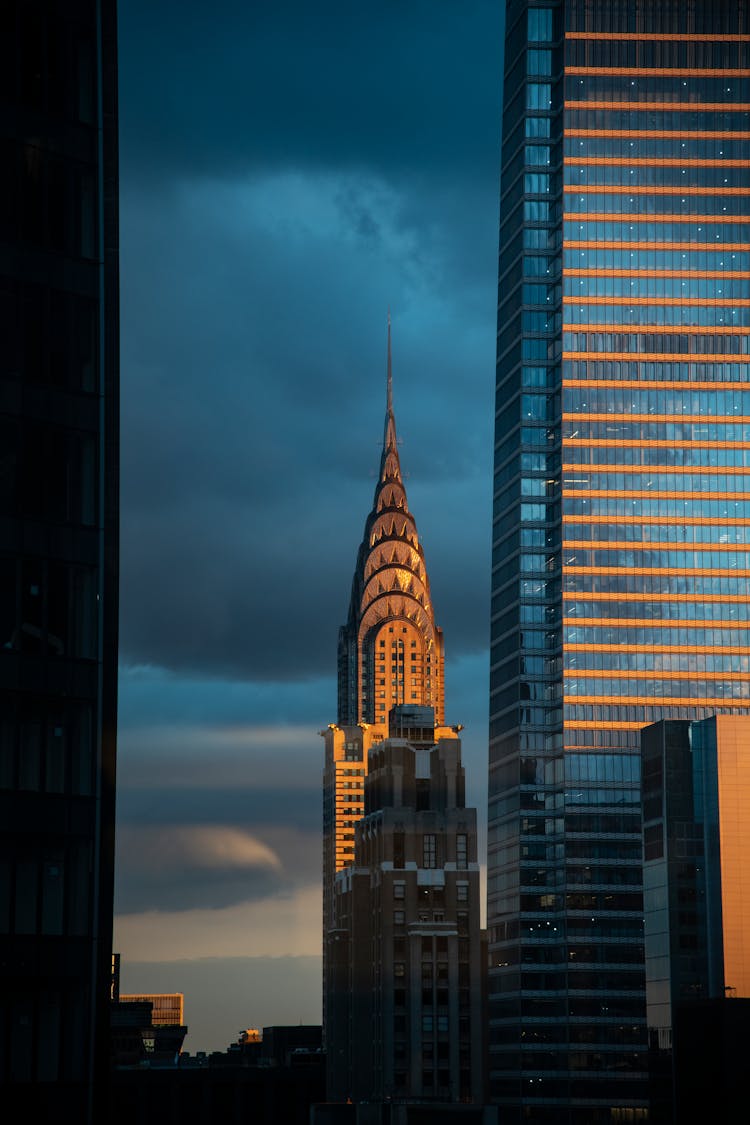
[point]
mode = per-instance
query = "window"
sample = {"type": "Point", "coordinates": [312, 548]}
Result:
{"type": "Point", "coordinates": [399, 890]}
{"type": "Point", "coordinates": [429, 850]}
{"type": "Point", "coordinates": [462, 851]}
{"type": "Point", "coordinates": [540, 25]}
{"type": "Point", "coordinates": [462, 892]}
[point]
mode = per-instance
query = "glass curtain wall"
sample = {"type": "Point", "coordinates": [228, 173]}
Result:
{"type": "Point", "coordinates": [621, 545]}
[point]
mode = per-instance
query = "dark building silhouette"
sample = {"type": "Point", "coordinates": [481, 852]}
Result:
{"type": "Point", "coordinates": [621, 505]}
{"type": "Point", "coordinates": [58, 553]}
{"type": "Point", "coordinates": [696, 803]}
{"type": "Point", "coordinates": [270, 1080]}
{"type": "Point", "coordinates": [405, 1013]}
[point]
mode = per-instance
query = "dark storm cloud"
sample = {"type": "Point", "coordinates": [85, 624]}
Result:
{"type": "Point", "coordinates": [220, 89]}
{"type": "Point", "coordinates": [253, 412]}
{"type": "Point", "coordinates": [141, 886]}
{"type": "Point", "coordinates": [289, 171]}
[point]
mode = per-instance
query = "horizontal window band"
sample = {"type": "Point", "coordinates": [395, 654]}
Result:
{"type": "Point", "coordinates": [618, 646]}
{"type": "Point", "coordinates": [659, 384]}
{"type": "Point", "coordinates": [650, 470]}
{"type": "Point", "coordinates": [649, 494]}
{"type": "Point", "coordinates": [663, 302]}
{"type": "Point", "coordinates": [626, 701]}
{"type": "Point", "coordinates": [659, 71]}
{"type": "Point", "coordinates": [649, 443]}
{"type": "Point", "coordinates": [661, 330]}
{"type": "Point", "coordinates": [649, 521]}
{"type": "Point", "coordinates": [638, 217]}
{"type": "Point", "coordinates": [625, 674]}
{"type": "Point", "coordinates": [660, 357]}
{"type": "Point", "coordinates": [656, 37]}
{"type": "Point", "coordinates": [673, 107]}
{"type": "Point", "coordinates": [714, 419]}
{"type": "Point", "coordinates": [641, 596]}
{"type": "Point", "coordinates": [648, 189]}
{"type": "Point", "coordinates": [662, 134]}
{"type": "Point", "coordinates": [657, 572]}
{"type": "Point", "coordinates": [717, 275]}
{"type": "Point", "coordinates": [653, 623]}
{"type": "Point", "coordinates": [694, 247]}
{"type": "Point", "coordinates": [650, 162]}
{"type": "Point", "coordinates": [649, 545]}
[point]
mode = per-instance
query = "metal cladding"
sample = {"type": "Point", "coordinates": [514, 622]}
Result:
{"type": "Point", "coordinates": [390, 586]}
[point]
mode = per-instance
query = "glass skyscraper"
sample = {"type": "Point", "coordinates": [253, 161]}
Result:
{"type": "Point", "coordinates": [621, 537]}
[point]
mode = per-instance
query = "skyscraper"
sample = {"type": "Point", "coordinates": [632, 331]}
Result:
{"type": "Point", "coordinates": [411, 880]}
{"type": "Point", "coordinates": [621, 504]}
{"type": "Point", "coordinates": [390, 652]}
{"type": "Point", "coordinates": [405, 1015]}
{"type": "Point", "coordinates": [58, 554]}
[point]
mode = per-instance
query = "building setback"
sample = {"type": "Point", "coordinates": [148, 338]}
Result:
{"type": "Point", "coordinates": [621, 505]}
{"type": "Point", "coordinates": [403, 880]}
{"type": "Point", "coordinates": [404, 1008]}
{"type": "Point", "coordinates": [58, 554]}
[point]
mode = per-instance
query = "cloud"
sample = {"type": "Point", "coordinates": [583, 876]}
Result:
{"type": "Point", "coordinates": [203, 846]}
{"type": "Point", "coordinates": [273, 926]}
{"type": "Point", "coordinates": [174, 867]}
{"type": "Point", "coordinates": [253, 420]}
{"type": "Point", "coordinates": [288, 84]}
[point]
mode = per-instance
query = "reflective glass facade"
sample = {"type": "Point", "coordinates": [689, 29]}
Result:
{"type": "Point", "coordinates": [621, 544]}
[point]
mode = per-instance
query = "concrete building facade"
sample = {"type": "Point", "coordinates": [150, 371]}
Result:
{"type": "Point", "coordinates": [405, 951]}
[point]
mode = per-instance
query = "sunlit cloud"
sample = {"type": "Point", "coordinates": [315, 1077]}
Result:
{"type": "Point", "coordinates": [209, 846]}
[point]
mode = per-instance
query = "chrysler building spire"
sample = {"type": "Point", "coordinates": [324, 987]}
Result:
{"type": "Point", "coordinates": [390, 650]}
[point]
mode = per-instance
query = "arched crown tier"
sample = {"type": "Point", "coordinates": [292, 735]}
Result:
{"type": "Point", "coordinates": [390, 588]}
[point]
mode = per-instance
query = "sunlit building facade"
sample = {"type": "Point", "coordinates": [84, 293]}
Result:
{"type": "Point", "coordinates": [622, 504]}
{"type": "Point", "coordinates": [390, 652]}
{"type": "Point", "coordinates": [390, 655]}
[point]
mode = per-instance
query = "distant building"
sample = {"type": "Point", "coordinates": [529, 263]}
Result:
{"type": "Point", "coordinates": [390, 652]}
{"type": "Point", "coordinates": [402, 946]}
{"type": "Point", "coordinates": [696, 808]}
{"type": "Point", "coordinates": [141, 1037]}
{"type": "Point", "coordinates": [59, 456]}
{"type": "Point", "coordinates": [167, 1007]}
{"type": "Point", "coordinates": [405, 950]}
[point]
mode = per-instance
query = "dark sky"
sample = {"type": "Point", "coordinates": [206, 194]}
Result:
{"type": "Point", "coordinates": [289, 173]}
